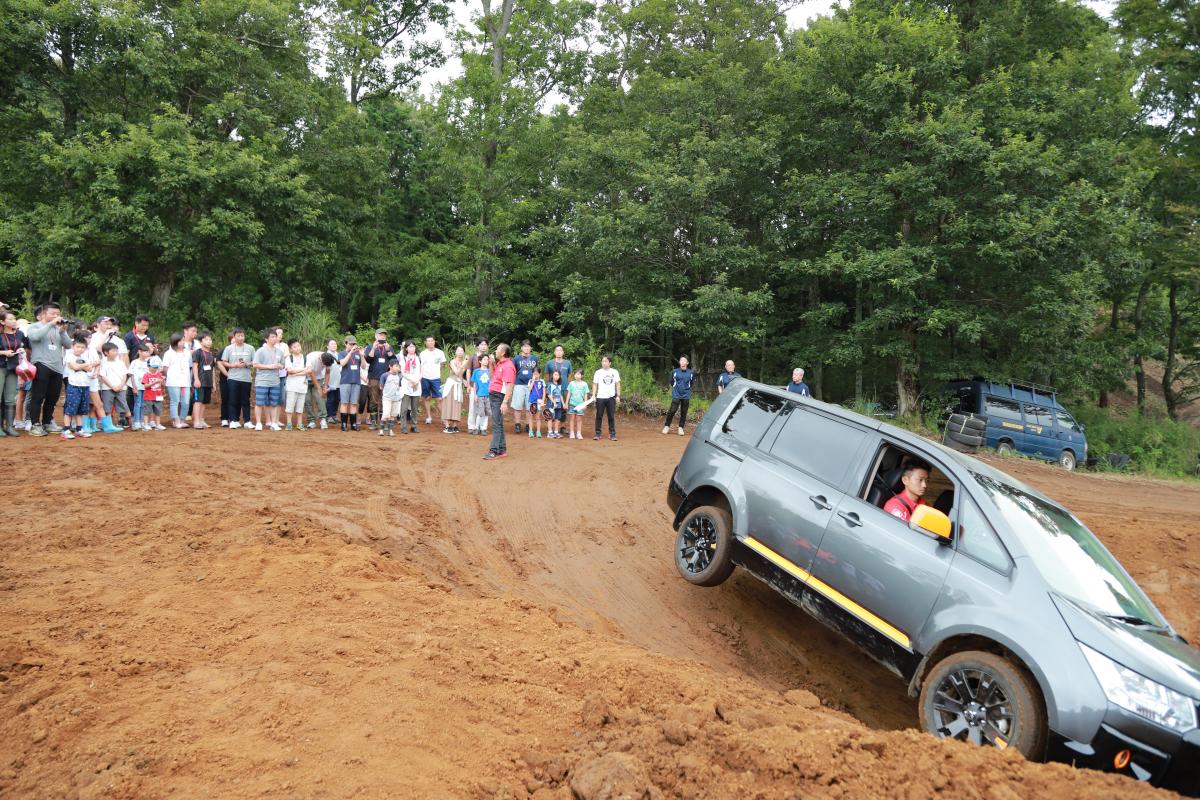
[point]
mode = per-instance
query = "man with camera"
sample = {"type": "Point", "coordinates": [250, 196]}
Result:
{"type": "Point", "coordinates": [48, 339]}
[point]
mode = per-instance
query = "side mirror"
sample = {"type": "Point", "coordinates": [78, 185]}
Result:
{"type": "Point", "coordinates": [930, 520]}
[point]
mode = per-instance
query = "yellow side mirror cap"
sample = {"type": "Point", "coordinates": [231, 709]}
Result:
{"type": "Point", "coordinates": [929, 519]}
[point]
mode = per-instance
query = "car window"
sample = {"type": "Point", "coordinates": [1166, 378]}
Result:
{"type": "Point", "coordinates": [1038, 415]}
{"type": "Point", "coordinates": [977, 539]}
{"type": "Point", "coordinates": [1003, 409]}
{"type": "Point", "coordinates": [821, 446]}
{"type": "Point", "coordinates": [752, 416]}
{"type": "Point", "coordinates": [1067, 422]}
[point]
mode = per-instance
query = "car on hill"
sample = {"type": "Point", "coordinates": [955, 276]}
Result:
{"type": "Point", "coordinates": [1009, 620]}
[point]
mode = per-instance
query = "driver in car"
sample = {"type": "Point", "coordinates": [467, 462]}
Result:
{"type": "Point", "coordinates": [915, 479]}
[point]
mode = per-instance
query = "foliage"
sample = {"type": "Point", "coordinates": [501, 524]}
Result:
{"type": "Point", "coordinates": [1155, 444]}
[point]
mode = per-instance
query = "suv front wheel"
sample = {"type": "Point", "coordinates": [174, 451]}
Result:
{"type": "Point", "coordinates": [704, 546]}
{"type": "Point", "coordinates": [984, 699]}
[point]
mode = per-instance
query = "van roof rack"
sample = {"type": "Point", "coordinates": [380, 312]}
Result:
{"type": "Point", "coordinates": [1036, 387]}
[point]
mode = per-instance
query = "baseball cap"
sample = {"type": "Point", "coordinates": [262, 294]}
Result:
{"type": "Point", "coordinates": [154, 361]}
{"type": "Point", "coordinates": [104, 319]}
{"type": "Point", "coordinates": [380, 330]}
{"type": "Point", "coordinates": [351, 340]}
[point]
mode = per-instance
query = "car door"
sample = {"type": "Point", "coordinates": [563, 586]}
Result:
{"type": "Point", "coordinates": [1070, 434]}
{"type": "Point", "coordinates": [1039, 431]}
{"type": "Point", "coordinates": [879, 570]}
{"type": "Point", "coordinates": [793, 482]}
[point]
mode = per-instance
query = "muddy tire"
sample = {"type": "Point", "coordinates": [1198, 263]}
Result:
{"type": "Point", "coordinates": [704, 546]}
{"type": "Point", "coordinates": [1067, 460]}
{"type": "Point", "coordinates": [969, 439]}
{"type": "Point", "coordinates": [984, 699]}
{"type": "Point", "coordinates": [960, 423]}
{"type": "Point", "coordinates": [1005, 448]}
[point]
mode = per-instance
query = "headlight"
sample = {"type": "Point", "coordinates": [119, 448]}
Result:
{"type": "Point", "coordinates": [1142, 696]}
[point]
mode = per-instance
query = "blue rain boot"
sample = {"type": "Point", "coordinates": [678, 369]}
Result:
{"type": "Point", "coordinates": [89, 424]}
{"type": "Point", "coordinates": [106, 425]}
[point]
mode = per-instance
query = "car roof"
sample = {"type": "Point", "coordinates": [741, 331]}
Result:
{"type": "Point", "coordinates": [962, 461]}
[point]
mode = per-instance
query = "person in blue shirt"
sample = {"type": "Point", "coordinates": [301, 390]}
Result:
{"type": "Point", "coordinates": [537, 390]}
{"type": "Point", "coordinates": [557, 364]}
{"type": "Point", "coordinates": [681, 394]}
{"type": "Point", "coordinates": [798, 386]}
{"type": "Point", "coordinates": [728, 376]}
{"type": "Point", "coordinates": [525, 363]}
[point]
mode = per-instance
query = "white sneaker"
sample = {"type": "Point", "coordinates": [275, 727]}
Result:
{"type": "Point", "coordinates": [233, 426]}
{"type": "Point", "coordinates": [312, 425]}
{"type": "Point", "coordinates": [137, 426]}
{"type": "Point", "coordinates": [681, 430]}
{"type": "Point", "coordinates": [429, 420]}
{"type": "Point", "coordinates": [275, 426]}
{"type": "Point", "coordinates": [666, 429]}
{"type": "Point", "coordinates": [324, 424]}
{"type": "Point", "coordinates": [258, 427]}
{"type": "Point", "coordinates": [160, 427]}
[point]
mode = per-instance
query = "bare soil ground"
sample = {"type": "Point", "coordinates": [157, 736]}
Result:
{"type": "Point", "coordinates": [322, 614]}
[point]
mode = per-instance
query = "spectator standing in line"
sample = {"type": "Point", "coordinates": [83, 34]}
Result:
{"type": "Point", "coordinates": [204, 361]}
{"type": "Point", "coordinates": [177, 364]}
{"type": "Point", "coordinates": [267, 388]}
{"type": "Point", "coordinates": [377, 356]}
{"type": "Point", "coordinates": [481, 376]}
{"type": "Point", "coordinates": [138, 367]}
{"type": "Point", "coordinates": [295, 384]}
{"type": "Point", "coordinates": [392, 391]}
{"type": "Point", "coordinates": [350, 387]}
{"type": "Point", "coordinates": [681, 394]}
{"type": "Point", "coordinates": [223, 381]}
{"type": "Point", "coordinates": [454, 392]}
{"type": "Point", "coordinates": [525, 363]}
{"type": "Point", "coordinates": [728, 376]}
{"type": "Point", "coordinates": [333, 382]}
{"type": "Point", "coordinates": [606, 386]}
{"type": "Point", "coordinates": [577, 397]}
{"type": "Point", "coordinates": [235, 362]}
{"type": "Point", "coordinates": [13, 346]}
{"type": "Point", "coordinates": [432, 359]}
{"type": "Point", "coordinates": [152, 384]}
{"type": "Point", "coordinates": [138, 335]}
{"type": "Point", "coordinates": [318, 363]}
{"type": "Point", "coordinates": [411, 387]}
{"type": "Point", "coordinates": [481, 348]}
{"type": "Point", "coordinates": [500, 390]}
{"type": "Point", "coordinates": [558, 364]}
{"type": "Point", "coordinates": [114, 377]}
{"type": "Point", "coordinates": [79, 364]}
{"type": "Point", "coordinates": [798, 386]}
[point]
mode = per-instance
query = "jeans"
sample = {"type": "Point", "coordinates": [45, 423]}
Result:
{"type": "Point", "coordinates": [495, 400]}
{"type": "Point", "coordinates": [239, 401]}
{"type": "Point", "coordinates": [178, 399]}
{"type": "Point", "coordinates": [333, 398]}
{"type": "Point", "coordinates": [47, 386]}
{"type": "Point", "coordinates": [681, 404]}
{"type": "Point", "coordinates": [137, 408]}
{"type": "Point", "coordinates": [606, 406]}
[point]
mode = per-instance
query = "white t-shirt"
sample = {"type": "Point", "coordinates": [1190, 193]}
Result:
{"type": "Point", "coordinates": [98, 340]}
{"type": "Point", "coordinates": [78, 377]}
{"type": "Point", "coordinates": [295, 383]}
{"type": "Point", "coordinates": [606, 381]}
{"type": "Point", "coordinates": [431, 363]}
{"type": "Point", "coordinates": [313, 361]}
{"type": "Point", "coordinates": [115, 371]}
{"type": "Point", "coordinates": [335, 371]}
{"type": "Point", "coordinates": [177, 364]}
{"type": "Point", "coordinates": [137, 368]}
{"type": "Point", "coordinates": [412, 370]}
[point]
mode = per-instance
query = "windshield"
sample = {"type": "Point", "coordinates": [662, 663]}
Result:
{"type": "Point", "coordinates": [1070, 556]}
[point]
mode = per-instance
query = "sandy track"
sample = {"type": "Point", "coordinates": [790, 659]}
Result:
{"type": "Point", "coordinates": [503, 625]}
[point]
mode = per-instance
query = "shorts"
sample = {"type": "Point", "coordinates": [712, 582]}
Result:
{"type": "Point", "coordinates": [203, 395]}
{"type": "Point", "coordinates": [431, 387]}
{"type": "Point", "coordinates": [77, 401]}
{"type": "Point", "coordinates": [94, 385]}
{"type": "Point", "coordinates": [559, 415]}
{"type": "Point", "coordinates": [295, 402]}
{"type": "Point", "coordinates": [350, 393]}
{"type": "Point", "coordinates": [267, 396]}
{"type": "Point", "coordinates": [24, 386]}
{"type": "Point", "coordinates": [109, 399]}
{"type": "Point", "coordinates": [152, 408]}
{"type": "Point", "coordinates": [391, 408]}
{"type": "Point", "coordinates": [575, 411]}
{"type": "Point", "coordinates": [520, 397]}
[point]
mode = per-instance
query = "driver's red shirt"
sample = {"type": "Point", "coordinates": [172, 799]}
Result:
{"type": "Point", "coordinates": [899, 506]}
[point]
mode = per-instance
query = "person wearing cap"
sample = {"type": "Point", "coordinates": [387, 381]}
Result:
{"type": "Point", "coordinates": [108, 330]}
{"type": "Point", "coordinates": [152, 393]}
{"type": "Point", "coordinates": [377, 356]}
{"type": "Point", "coordinates": [350, 387]}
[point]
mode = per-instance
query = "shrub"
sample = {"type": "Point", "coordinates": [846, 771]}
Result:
{"type": "Point", "coordinates": [1157, 446]}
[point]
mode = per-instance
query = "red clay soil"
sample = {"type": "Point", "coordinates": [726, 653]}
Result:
{"type": "Point", "coordinates": [322, 614]}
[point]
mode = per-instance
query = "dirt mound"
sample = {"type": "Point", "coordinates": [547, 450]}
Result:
{"type": "Point", "coordinates": [326, 615]}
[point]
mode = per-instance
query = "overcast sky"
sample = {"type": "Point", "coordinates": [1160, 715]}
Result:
{"type": "Point", "coordinates": [797, 17]}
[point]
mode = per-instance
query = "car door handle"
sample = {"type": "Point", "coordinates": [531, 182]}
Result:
{"type": "Point", "coordinates": [820, 501]}
{"type": "Point", "coordinates": [851, 518]}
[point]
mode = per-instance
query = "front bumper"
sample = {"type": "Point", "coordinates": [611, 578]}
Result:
{"type": "Point", "coordinates": [675, 495]}
{"type": "Point", "coordinates": [1157, 755]}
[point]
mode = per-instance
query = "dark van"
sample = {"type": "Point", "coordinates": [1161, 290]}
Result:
{"type": "Point", "coordinates": [1025, 419]}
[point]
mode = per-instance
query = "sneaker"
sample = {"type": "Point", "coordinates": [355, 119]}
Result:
{"type": "Point", "coordinates": [289, 425]}
{"type": "Point", "coordinates": [160, 427]}
{"type": "Point", "coordinates": [412, 428]}
{"type": "Point", "coordinates": [233, 426]}
{"type": "Point", "coordinates": [67, 435]}
{"type": "Point", "coordinates": [681, 430]}
{"type": "Point", "coordinates": [312, 425]}
{"type": "Point", "coordinates": [275, 426]}
{"type": "Point", "coordinates": [343, 427]}
{"type": "Point", "coordinates": [492, 455]}
{"type": "Point", "coordinates": [224, 423]}
{"type": "Point", "coordinates": [596, 438]}
{"type": "Point", "coordinates": [429, 420]}
{"type": "Point", "coordinates": [354, 427]}
{"type": "Point", "coordinates": [184, 424]}
{"type": "Point", "coordinates": [666, 430]}
{"type": "Point", "coordinates": [382, 432]}
{"type": "Point", "coordinates": [258, 427]}
{"type": "Point", "coordinates": [539, 434]}
{"type": "Point", "coordinates": [324, 425]}
{"type": "Point", "coordinates": [518, 427]}
{"type": "Point", "coordinates": [53, 427]}
{"type": "Point", "coordinates": [37, 430]}
{"type": "Point", "coordinates": [612, 437]}
{"type": "Point", "coordinates": [391, 432]}
{"type": "Point", "coordinates": [531, 434]}
{"type": "Point", "coordinates": [83, 435]}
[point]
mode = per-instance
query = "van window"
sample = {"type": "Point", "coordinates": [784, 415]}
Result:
{"type": "Point", "coordinates": [752, 416]}
{"type": "Point", "coordinates": [1066, 422]}
{"type": "Point", "coordinates": [977, 539]}
{"type": "Point", "coordinates": [1039, 415]}
{"type": "Point", "coordinates": [997, 408]}
{"type": "Point", "coordinates": [822, 447]}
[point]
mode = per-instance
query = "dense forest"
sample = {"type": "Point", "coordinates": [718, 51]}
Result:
{"type": "Point", "coordinates": [899, 193]}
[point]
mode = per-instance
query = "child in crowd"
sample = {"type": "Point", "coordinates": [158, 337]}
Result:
{"type": "Point", "coordinates": [78, 366]}
{"type": "Point", "coordinates": [537, 391]}
{"type": "Point", "coordinates": [137, 369]}
{"type": "Point", "coordinates": [481, 376]}
{"type": "Point", "coordinates": [554, 402]}
{"type": "Point", "coordinates": [392, 392]}
{"type": "Point", "coordinates": [152, 393]}
{"type": "Point", "coordinates": [177, 364]}
{"type": "Point", "coordinates": [114, 375]}
{"type": "Point", "coordinates": [410, 368]}
{"type": "Point", "coordinates": [577, 397]}
{"type": "Point", "coordinates": [267, 363]}
{"type": "Point", "coordinates": [235, 363]}
{"type": "Point", "coordinates": [296, 384]}
{"type": "Point", "coordinates": [203, 361]}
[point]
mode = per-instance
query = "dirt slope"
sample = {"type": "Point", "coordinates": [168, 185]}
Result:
{"type": "Point", "coordinates": [507, 629]}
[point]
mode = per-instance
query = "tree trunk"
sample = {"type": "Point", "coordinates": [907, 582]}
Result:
{"type": "Point", "coordinates": [66, 51]}
{"type": "Point", "coordinates": [1169, 394]}
{"type": "Point", "coordinates": [858, 368]}
{"type": "Point", "coordinates": [160, 292]}
{"type": "Point", "coordinates": [906, 373]}
{"type": "Point", "coordinates": [1139, 318]}
{"type": "Point", "coordinates": [1114, 322]}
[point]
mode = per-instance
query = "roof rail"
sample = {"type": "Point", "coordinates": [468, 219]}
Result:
{"type": "Point", "coordinates": [1036, 387]}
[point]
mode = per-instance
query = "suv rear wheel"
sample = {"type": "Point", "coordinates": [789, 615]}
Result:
{"type": "Point", "coordinates": [704, 546]}
{"type": "Point", "coordinates": [984, 699]}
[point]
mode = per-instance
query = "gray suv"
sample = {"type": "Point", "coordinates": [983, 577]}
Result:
{"type": "Point", "coordinates": [1003, 612]}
